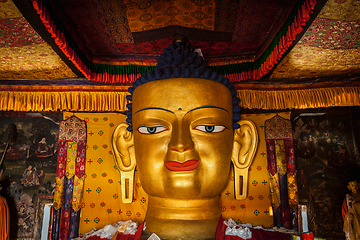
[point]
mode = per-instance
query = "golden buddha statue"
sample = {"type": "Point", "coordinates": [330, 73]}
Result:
{"type": "Point", "coordinates": [182, 133]}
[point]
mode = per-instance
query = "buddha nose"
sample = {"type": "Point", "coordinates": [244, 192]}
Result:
{"type": "Point", "coordinates": [181, 139]}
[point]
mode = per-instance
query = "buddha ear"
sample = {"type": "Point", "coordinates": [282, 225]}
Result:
{"type": "Point", "coordinates": [244, 150]}
{"type": "Point", "coordinates": [122, 143]}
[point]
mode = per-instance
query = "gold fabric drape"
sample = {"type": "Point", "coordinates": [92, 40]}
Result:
{"type": "Point", "coordinates": [38, 100]}
{"type": "Point", "coordinates": [63, 101]}
{"type": "Point", "coordinates": [300, 99]}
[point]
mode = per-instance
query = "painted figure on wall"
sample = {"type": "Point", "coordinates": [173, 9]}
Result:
{"type": "Point", "coordinates": [324, 170]}
{"type": "Point", "coordinates": [351, 212]}
{"type": "Point", "coordinates": [43, 149]}
{"type": "Point", "coordinates": [183, 135]}
{"type": "Point", "coordinates": [13, 153]}
{"type": "Point", "coordinates": [28, 175]}
{"type": "Point", "coordinates": [43, 141]}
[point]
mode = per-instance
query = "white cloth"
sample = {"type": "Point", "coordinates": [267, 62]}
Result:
{"type": "Point", "coordinates": [107, 232]}
{"type": "Point", "coordinates": [240, 230]}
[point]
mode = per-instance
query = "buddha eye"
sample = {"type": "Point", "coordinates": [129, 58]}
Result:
{"type": "Point", "coordinates": [210, 128]}
{"type": "Point", "coordinates": [151, 130]}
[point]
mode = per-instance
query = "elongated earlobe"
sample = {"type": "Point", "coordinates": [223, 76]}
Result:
{"type": "Point", "coordinates": [244, 150]}
{"type": "Point", "coordinates": [122, 143]}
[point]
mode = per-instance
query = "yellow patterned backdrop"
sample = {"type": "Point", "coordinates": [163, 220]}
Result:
{"type": "Point", "coordinates": [101, 203]}
{"type": "Point", "coordinates": [255, 208]}
{"type": "Point", "coordinates": [102, 194]}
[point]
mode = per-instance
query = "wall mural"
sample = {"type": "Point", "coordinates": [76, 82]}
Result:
{"type": "Point", "coordinates": [325, 153]}
{"type": "Point", "coordinates": [29, 169]}
{"type": "Point", "coordinates": [326, 160]}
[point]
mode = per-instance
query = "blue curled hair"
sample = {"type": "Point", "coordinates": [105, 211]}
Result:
{"type": "Point", "coordinates": [180, 61]}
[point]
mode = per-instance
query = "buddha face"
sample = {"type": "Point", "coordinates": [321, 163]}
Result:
{"type": "Point", "coordinates": [183, 137]}
{"type": "Point", "coordinates": [353, 186]}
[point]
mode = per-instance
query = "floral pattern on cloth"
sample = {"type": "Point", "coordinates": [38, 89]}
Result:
{"type": "Point", "coordinates": [80, 160]}
{"type": "Point", "coordinates": [278, 128]}
{"type": "Point", "coordinates": [101, 190]}
{"type": "Point", "coordinates": [78, 190]}
{"type": "Point", "coordinates": [72, 129]}
{"type": "Point", "coordinates": [282, 171]}
{"type": "Point", "coordinates": [290, 158]}
{"type": "Point", "coordinates": [292, 190]}
{"type": "Point", "coordinates": [280, 157]}
{"type": "Point", "coordinates": [61, 159]}
{"type": "Point", "coordinates": [59, 193]}
{"type": "Point", "coordinates": [70, 178]}
{"type": "Point", "coordinates": [70, 159]}
{"type": "Point", "coordinates": [270, 147]}
{"type": "Point", "coordinates": [274, 190]}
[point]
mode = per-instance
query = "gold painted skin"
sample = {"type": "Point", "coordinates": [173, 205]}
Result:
{"type": "Point", "coordinates": [180, 109]}
{"type": "Point", "coordinates": [183, 107]}
{"type": "Point", "coordinates": [182, 120]}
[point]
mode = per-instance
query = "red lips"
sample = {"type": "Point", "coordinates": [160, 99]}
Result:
{"type": "Point", "coordinates": [181, 167]}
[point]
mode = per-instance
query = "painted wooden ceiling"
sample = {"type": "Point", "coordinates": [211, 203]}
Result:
{"type": "Point", "coordinates": [129, 33]}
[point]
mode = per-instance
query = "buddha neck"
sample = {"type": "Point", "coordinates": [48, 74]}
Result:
{"type": "Point", "coordinates": [196, 218]}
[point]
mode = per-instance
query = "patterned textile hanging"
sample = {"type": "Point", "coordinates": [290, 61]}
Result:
{"type": "Point", "coordinates": [282, 171]}
{"type": "Point", "coordinates": [69, 179]}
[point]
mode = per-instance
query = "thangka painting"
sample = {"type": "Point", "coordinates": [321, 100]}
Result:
{"type": "Point", "coordinates": [326, 158]}
{"type": "Point", "coordinates": [29, 168]}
